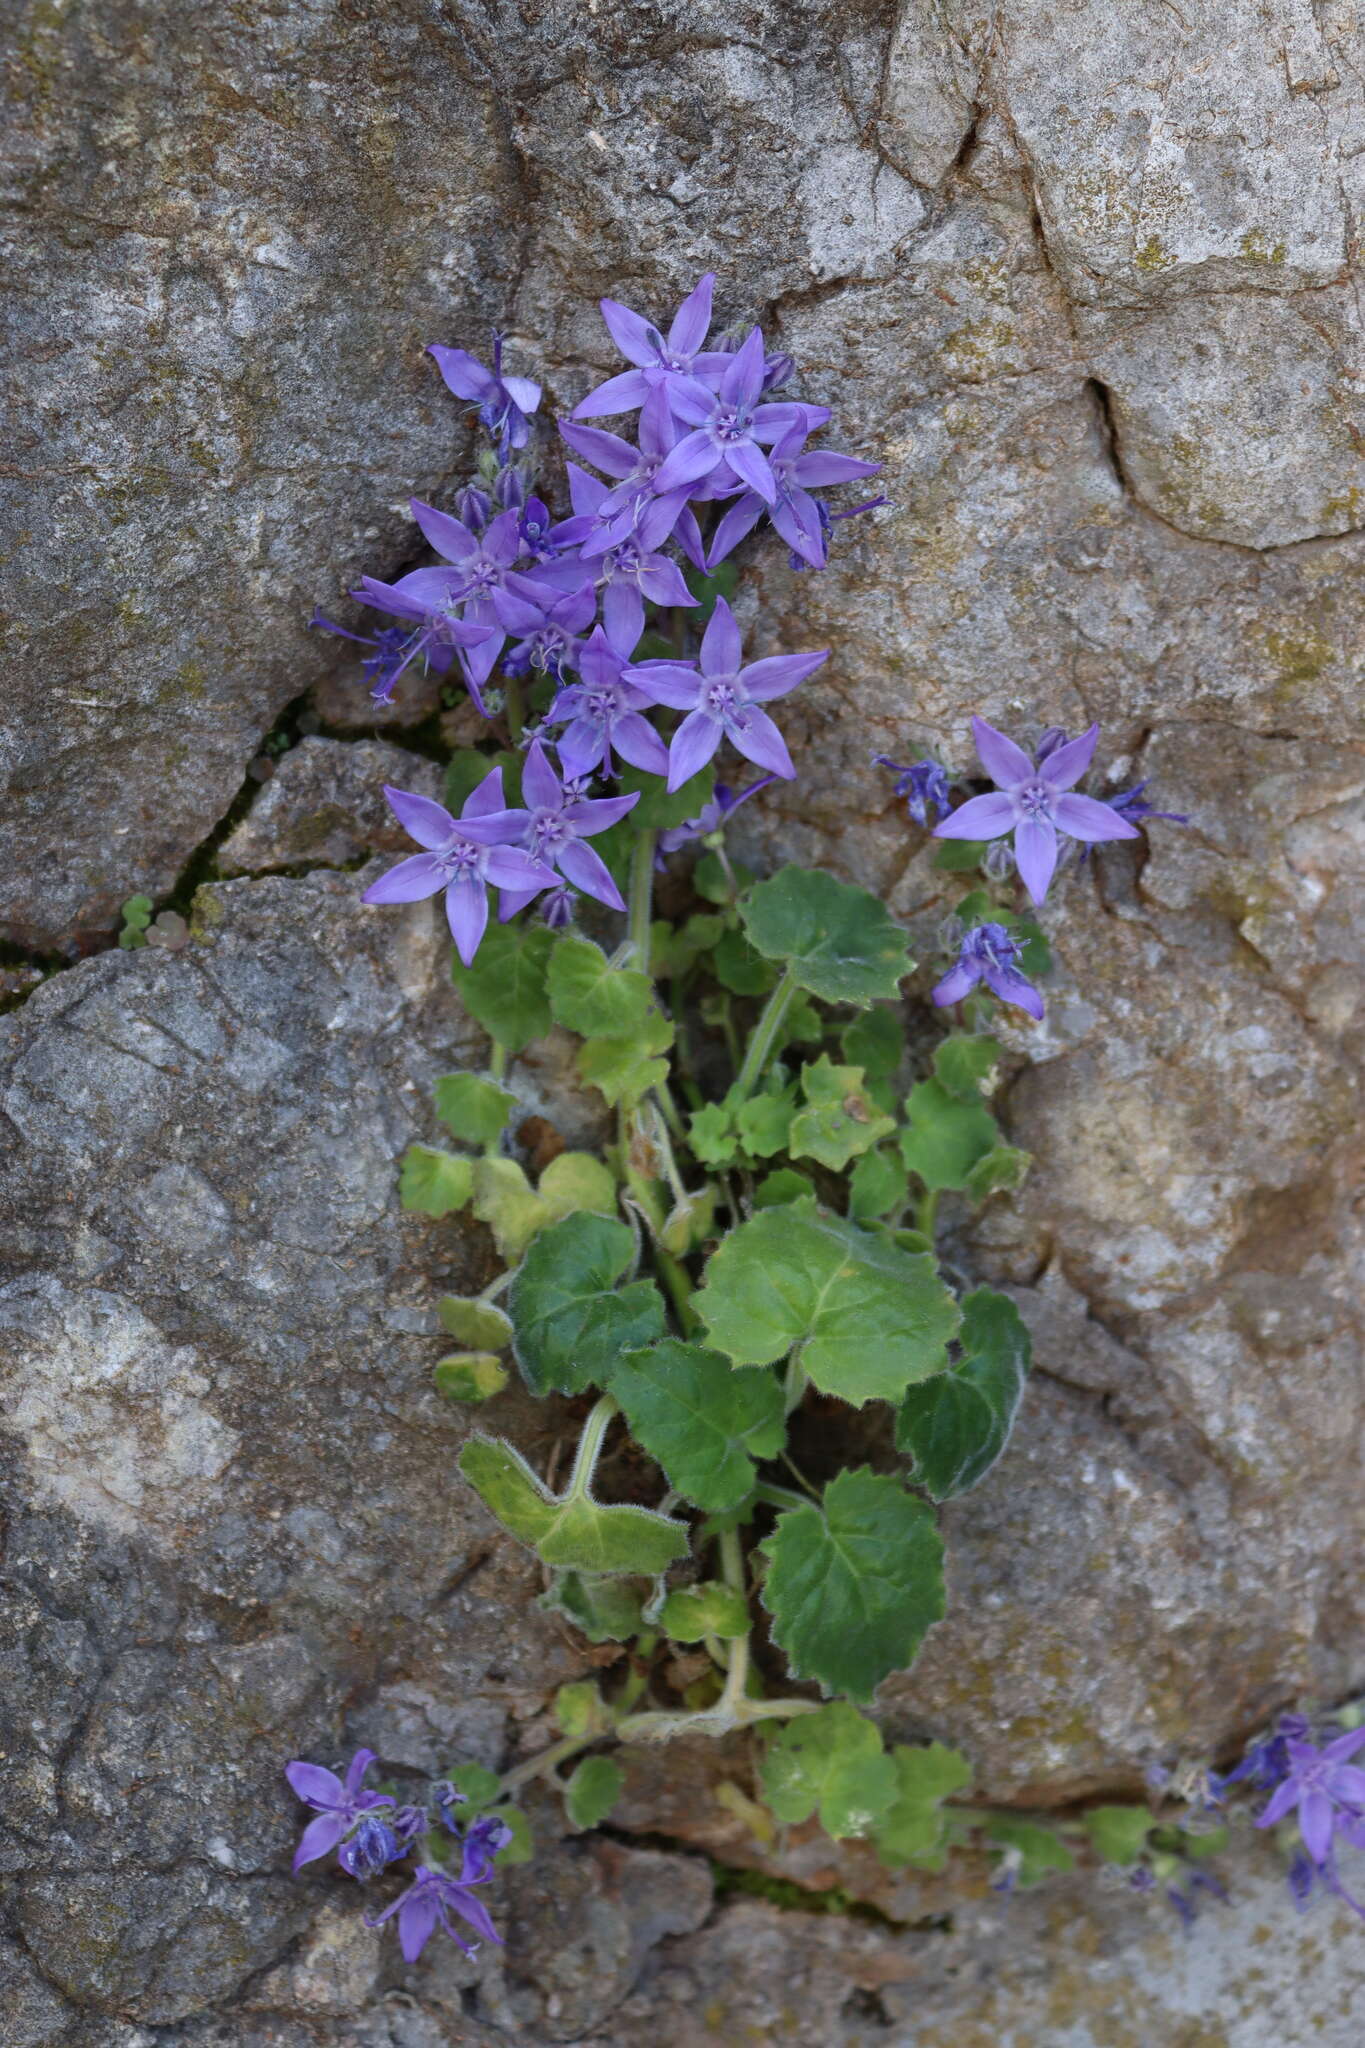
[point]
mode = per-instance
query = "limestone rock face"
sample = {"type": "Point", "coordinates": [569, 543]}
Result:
{"type": "Point", "coordinates": [1085, 275]}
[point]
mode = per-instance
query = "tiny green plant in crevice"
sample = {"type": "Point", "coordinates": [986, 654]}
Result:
{"type": "Point", "coordinates": [752, 1261]}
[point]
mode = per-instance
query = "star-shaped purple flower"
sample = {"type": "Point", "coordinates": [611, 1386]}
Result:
{"type": "Point", "coordinates": [729, 425]}
{"type": "Point", "coordinates": [988, 953]}
{"type": "Point", "coordinates": [464, 856]}
{"type": "Point", "coordinates": [339, 1803]}
{"type": "Point", "coordinates": [793, 511]}
{"type": "Point", "coordinates": [710, 817]}
{"type": "Point", "coordinates": [722, 699]}
{"type": "Point", "coordinates": [1035, 803]}
{"type": "Point", "coordinates": [660, 363]}
{"type": "Point", "coordinates": [484, 578]}
{"type": "Point", "coordinates": [603, 710]}
{"type": "Point", "coordinates": [556, 643]}
{"type": "Point", "coordinates": [634, 469]}
{"type": "Point", "coordinates": [631, 571]}
{"type": "Point", "coordinates": [556, 824]}
{"type": "Point", "coordinates": [1328, 1791]}
{"type": "Point", "coordinates": [428, 1903]}
{"type": "Point", "coordinates": [505, 403]}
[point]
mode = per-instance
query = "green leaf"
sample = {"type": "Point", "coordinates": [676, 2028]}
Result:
{"type": "Point", "coordinates": [710, 879]}
{"type": "Point", "coordinates": [689, 1222]}
{"type": "Point", "coordinates": [957, 1425]}
{"type": "Point", "coordinates": [505, 987]}
{"type": "Point", "coordinates": [479, 1324]}
{"type": "Point", "coordinates": [739, 968]}
{"type": "Point", "coordinates": [712, 1136]}
{"type": "Point", "coordinates": [657, 810]}
{"type": "Point", "coordinates": [577, 1181]}
{"type": "Point", "coordinates": [776, 1190]}
{"type": "Point", "coordinates": [832, 1761]}
{"type": "Point", "coordinates": [874, 1041]}
{"type": "Point", "coordinates": [505, 1200]}
{"type": "Point", "coordinates": [708, 1609]}
{"type": "Point", "coordinates": [571, 1316]}
{"type": "Point", "coordinates": [702, 1422]}
{"type": "Point", "coordinates": [1003, 1169]}
{"type": "Point", "coordinates": [866, 1318]}
{"type": "Point", "coordinates": [467, 768]}
{"type": "Point", "coordinates": [674, 948]}
{"type": "Point", "coordinates": [912, 1831]}
{"type": "Point", "coordinates": [1034, 1850]}
{"type": "Point", "coordinates": [852, 1587]}
{"type": "Point", "coordinates": [959, 856]}
{"type": "Point", "coordinates": [877, 1187]}
{"type": "Point", "coordinates": [1119, 1833]}
{"type": "Point", "coordinates": [590, 996]}
{"type": "Point", "coordinates": [624, 1069]}
{"type": "Point", "coordinates": [801, 1024]}
{"type": "Point", "coordinates": [522, 1846]}
{"type": "Point", "coordinates": [481, 1788]}
{"type": "Point", "coordinates": [592, 1791]}
{"type": "Point", "coordinates": [946, 1136]}
{"type": "Point", "coordinates": [765, 1121]}
{"type": "Point", "coordinates": [574, 1531]}
{"type": "Point", "coordinates": [435, 1182]}
{"type": "Point", "coordinates": [473, 1108]}
{"type": "Point", "coordinates": [604, 1610]}
{"type": "Point", "coordinates": [841, 942]}
{"type": "Point", "coordinates": [839, 1122]}
{"type": "Point", "coordinates": [966, 1065]}
{"type": "Point", "coordinates": [470, 1376]}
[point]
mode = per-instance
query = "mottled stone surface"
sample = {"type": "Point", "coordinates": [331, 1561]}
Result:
{"type": "Point", "coordinates": [1085, 273]}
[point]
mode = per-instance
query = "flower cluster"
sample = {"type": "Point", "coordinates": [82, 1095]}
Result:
{"type": "Point", "coordinates": [370, 1831]}
{"type": "Point", "coordinates": [564, 604]}
{"type": "Point", "coordinates": [1320, 1788]}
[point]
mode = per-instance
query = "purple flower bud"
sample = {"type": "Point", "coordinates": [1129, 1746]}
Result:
{"type": "Point", "coordinates": [373, 1845]}
{"type": "Point", "coordinates": [474, 507]}
{"type": "Point", "coordinates": [509, 489]}
{"type": "Point", "coordinates": [923, 784]}
{"type": "Point", "coordinates": [558, 907]}
{"type": "Point", "coordinates": [1049, 741]}
{"type": "Point", "coordinates": [778, 369]}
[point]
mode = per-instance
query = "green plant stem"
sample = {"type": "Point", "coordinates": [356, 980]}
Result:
{"type": "Point", "coordinates": [545, 1761]}
{"type": "Point", "coordinates": [778, 1496]}
{"type": "Point", "coordinates": [765, 1036]}
{"type": "Point", "coordinates": [926, 1214]}
{"type": "Point", "coordinates": [495, 1287]}
{"type": "Point", "coordinates": [497, 1060]}
{"type": "Point", "coordinates": [598, 1420]}
{"type": "Point", "coordinates": [737, 1671]}
{"type": "Point", "coordinates": [678, 1281]}
{"type": "Point", "coordinates": [793, 1385]}
{"type": "Point", "coordinates": [640, 902]}
{"type": "Point", "coordinates": [514, 706]}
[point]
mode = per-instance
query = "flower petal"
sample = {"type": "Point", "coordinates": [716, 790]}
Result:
{"type": "Point", "coordinates": [742, 517]}
{"type": "Point", "coordinates": [618, 394]}
{"type": "Point", "coordinates": [753, 468]}
{"type": "Point", "coordinates": [661, 582]}
{"type": "Point", "coordinates": [981, 817]}
{"type": "Point", "coordinates": [605, 451]}
{"type": "Point", "coordinates": [594, 814]}
{"type": "Point", "coordinates": [356, 1769]}
{"type": "Point", "coordinates": [464, 374]}
{"type": "Point", "coordinates": [1084, 817]}
{"type": "Point", "coordinates": [1315, 1823]}
{"type": "Point", "coordinates": [1035, 850]}
{"type": "Point", "coordinates": [696, 455]}
{"type": "Point", "coordinates": [320, 1837]}
{"type": "Point", "coordinates": [675, 683]}
{"type": "Point", "coordinates": [694, 743]}
{"type": "Point", "coordinates": [1342, 1746]}
{"type": "Point", "coordinates": [449, 536]}
{"type": "Point", "coordinates": [1005, 763]}
{"type": "Point", "coordinates": [721, 647]}
{"type": "Point", "coordinates": [467, 916]}
{"type": "Point", "coordinates": [692, 321]}
{"type": "Point", "coordinates": [1282, 1801]}
{"type": "Point", "coordinates": [636, 338]}
{"type": "Point", "coordinates": [315, 1785]}
{"type": "Point", "coordinates": [822, 467]}
{"type": "Point", "coordinates": [511, 867]}
{"type": "Point", "coordinates": [409, 882]}
{"type": "Point", "coordinates": [623, 613]}
{"type": "Point", "coordinates": [539, 783]}
{"type": "Point", "coordinates": [636, 741]}
{"type": "Point", "coordinates": [957, 983]}
{"type": "Point", "coordinates": [755, 736]}
{"type": "Point", "coordinates": [588, 872]}
{"type": "Point", "coordinates": [1011, 987]}
{"type": "Point", "coordinates": [485, 797]}
{"type": "Point", "coordinates": [1065, 766]}
{"type": "Point", "coordinates": [778, 673]}
{"type": "Point", "coordinates": [525, 393]}
{"type": "Point", "coordinates": [743, 378]}
{"type": "Point", "coordinates": [417, 1917]}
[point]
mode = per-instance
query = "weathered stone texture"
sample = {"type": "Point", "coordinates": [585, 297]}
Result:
{"type": "Point", "coordinates": [1085, 273]}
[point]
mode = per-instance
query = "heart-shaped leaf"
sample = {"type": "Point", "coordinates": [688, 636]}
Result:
{"type": "Point", "coordinates": [573, 1530]}
{"type": "Point", "coordinates": [702, 1421]}
{"type": "Point", "coordinates": [831, 1761]}
{"type": "Point", "coordinates": [473, 1107]}
{"type": "Point", "coordinates": [946, 1135]}
{"type": "Point", "coordinates": [505, 987]}
{"type": "Point", "coordinates": [840, 942]}
{"type": "Point", "coordinates": [853, 1585]}
{"type": "Point", "coordinates": [840, 1120]}
{"type": "Point", "coordinates": [571, 1317]}
{"type": "Point", "coordinates": [435, 1182]}
{"type": "Point", "coordinates": [593, 998]}
{"type": "Point", "coordinates": [957, 1425]}
{"type": "Point", "coordinates": [912, 1830]}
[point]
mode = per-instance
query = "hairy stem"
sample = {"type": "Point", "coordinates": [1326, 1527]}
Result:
{"type": "Point", "coordinates": [598, 1420]}
{"type": "Point", "coordinates": [926, 1214]}
{"type": "Point", "coordinates": [737, 1673]}
{"type": "Point", "coordinates": [640, 903]}
{"type": "Point", "coordinates": [765, 1035]}
{"type": "Point", "coordinates": [537, 1766]}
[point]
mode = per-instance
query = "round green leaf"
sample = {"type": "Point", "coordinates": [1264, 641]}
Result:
{"type": "Point", "coordinates": [481, 1325]}
{"type": "Point", "coordinates": [435, 1182]}
{"type": "Point", "coordinates": [946, 1136]}
{"type": "Point", "coordinates": [505, 987]}
{"type": "Point", "coordinates": [590, 996]}
{"type": "Point", "coordinates": [854, 1585]}
{"type": "Point", "coordinates": [831, 1761]}
{"type": "Point", "coordinates": [473, 1108]}
{"type": "Point", "coordinates": [574, 1531]}
{"type": "Point", "coordinates": [708, 1609]}
{"type": "Point", "coordinates": [841, 942]}
{"type": "Point", "coordinates": [571, 1317]}
{"type": "Point", "coordinates": [702, 1421]}
{"type": "Point", "coordinates": [593, 1790]}
{"type": "Point", "coordinates": [470, 1376]}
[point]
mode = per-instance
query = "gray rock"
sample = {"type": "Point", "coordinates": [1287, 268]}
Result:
{"type": "Point", "coordinates": [324, 807]}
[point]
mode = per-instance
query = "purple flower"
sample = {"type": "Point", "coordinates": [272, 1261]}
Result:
{"type": "Point", "coordinates": [1133, 806]}
{"type": "Point", "coordinates": [793, 511]}
{"type": "Point", "coordinates": [483, 577]}
{"type": "Point", "coordinates": [1034, 803]}
{"type": "Point", "coordinates": [339, 1803]}
{"type": "Point", "coordinates": [505, 403]}
{"type": "Point", "coordinates": [989, 954]}
{"type": "Point", "coordinates": [483, 1842]}
{"type": "Point", "coordinates": [555, 826]}
{"type": "Point", "coordinates": [631, 571]}
{"type": "Point", "coordinates": [603, 712]}
{"type": "Point", "coordinates": [711, 816]}
{"type": "Point", "coordinates": [659, 363]}
{"type": "Point", "coordinates": [556, 643]}
{"type": "Point", "coordinates": [1326, 1790]}
{"type": "Point", "coordinates": [373, 1845]}
{"type": "Point", "coordinates": [722, 699]}
{"type": "Point", "coordinates": [728, 426]}
{"type": "Point", "coordinates": [463, 857]}
{"type": "Point", "coordinates": [428, 1903]}
{"type": "Point", "coordinates": [393, 650]}
{"type": "Point", "coordinates": [633, 468]}
{"type": "Point", "coordinates": [1265, 1764]}
{"type": "Point", "coordinates": [924, 785]}
{"type": "Point", "coordinates": [544, 538]}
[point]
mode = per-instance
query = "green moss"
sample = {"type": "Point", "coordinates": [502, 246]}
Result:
{"type": "Point", "coordinates": [1257, 250]}
{"type": "Point", "coordinates": [1152, 256]}
{"type": "Point", "coordinates": [1299, 657]}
